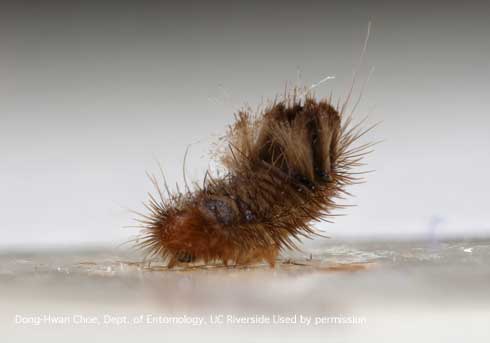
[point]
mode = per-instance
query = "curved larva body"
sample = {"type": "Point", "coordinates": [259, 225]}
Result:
{"type": "Point", "coordinates": [285, 168]}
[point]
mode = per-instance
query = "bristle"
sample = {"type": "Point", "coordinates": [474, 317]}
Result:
{"type": "Point", "coordinates": [286, 168]}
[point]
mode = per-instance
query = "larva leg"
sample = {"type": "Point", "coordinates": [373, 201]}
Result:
{"type": "Point", "coordinates": [271, 256]}
{"type": "Point", "coordinates": [172, 262]}
{"type": "Point", "coordinates": [244, 259]}
{"type": "Point", "coordinates": [271, 261]}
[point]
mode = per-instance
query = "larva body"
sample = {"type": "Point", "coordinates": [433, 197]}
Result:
{"type": "Point", "coordinates": [285, 167]}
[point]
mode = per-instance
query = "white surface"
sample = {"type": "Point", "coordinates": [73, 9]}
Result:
{"type": "Point", "coordinates": [410, 291]}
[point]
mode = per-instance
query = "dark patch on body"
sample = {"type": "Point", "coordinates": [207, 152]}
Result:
{"type": "Point", "coordinates": [228, 211]}
{"type": "Point", "coordinates": [221, 210]}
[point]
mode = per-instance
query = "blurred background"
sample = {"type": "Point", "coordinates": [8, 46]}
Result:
{"type": "Point", "coordinates": [92, 94]}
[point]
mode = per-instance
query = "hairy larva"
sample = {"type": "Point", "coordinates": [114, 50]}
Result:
{"type": "Point", "coordinates": [285, 166]}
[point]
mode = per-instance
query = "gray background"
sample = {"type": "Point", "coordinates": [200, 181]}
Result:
{"type": "Point", "coordinates": [91, 95]}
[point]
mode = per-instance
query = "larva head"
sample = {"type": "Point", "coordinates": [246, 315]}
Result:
{"type": "Point", "coordinates": [200, 230]}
